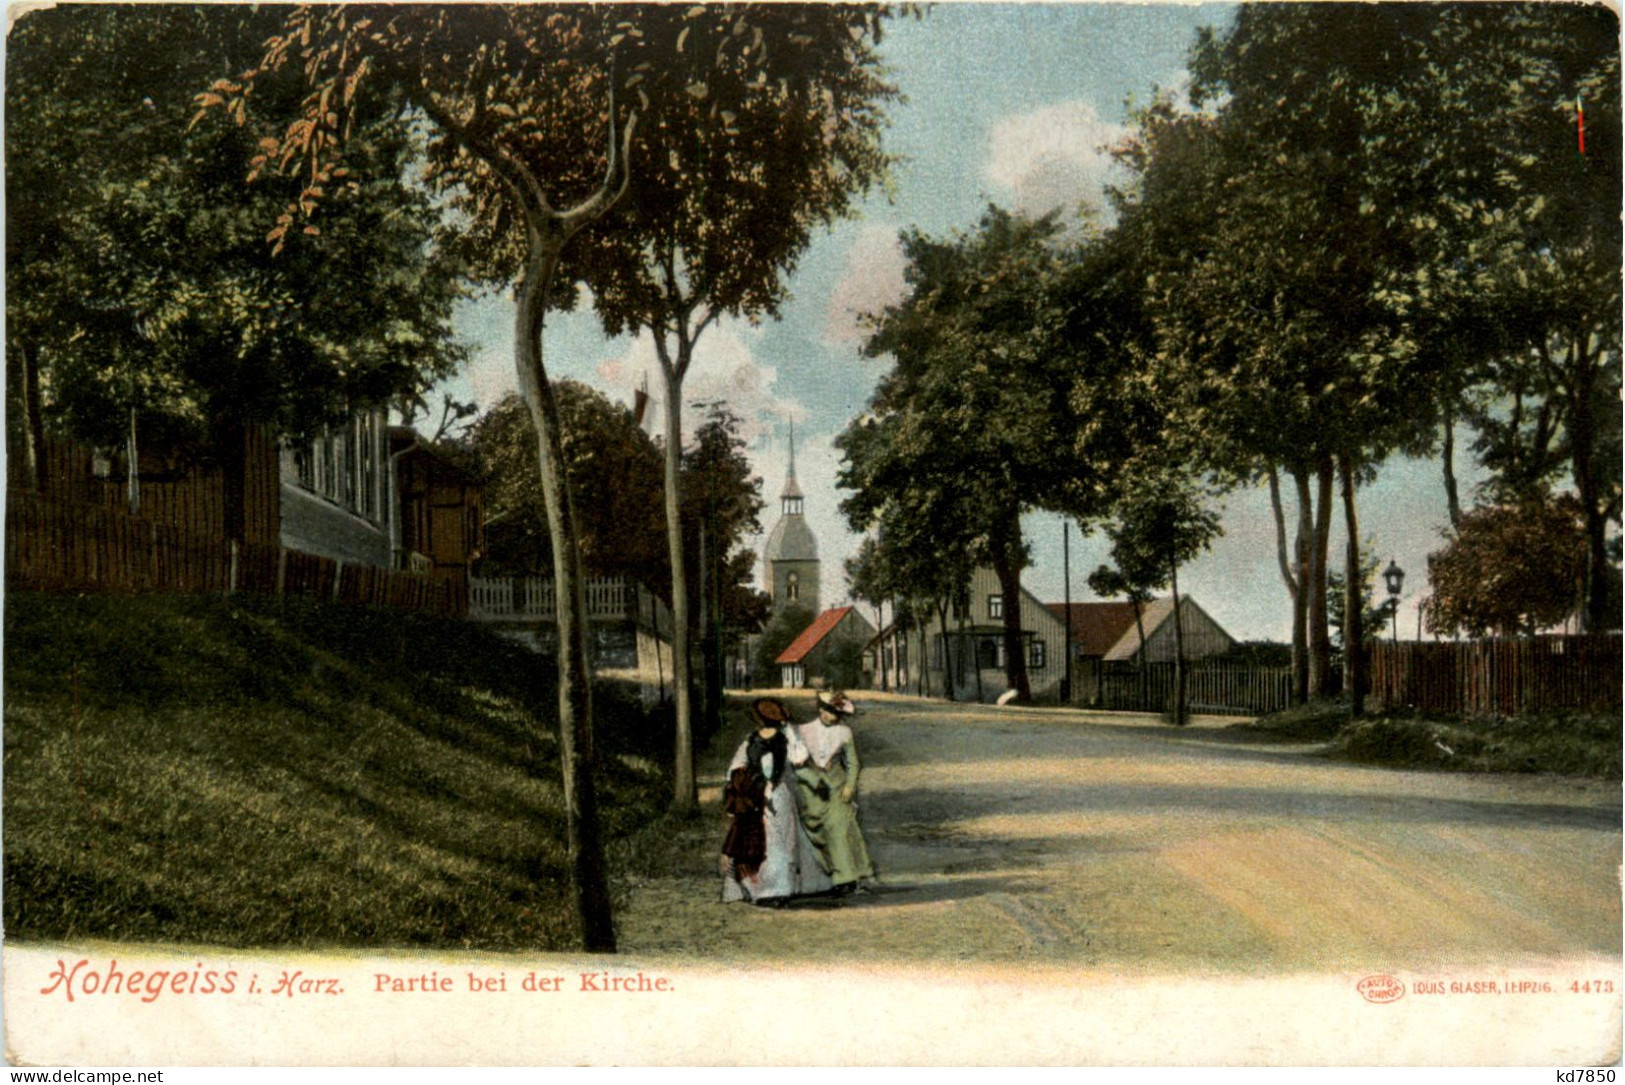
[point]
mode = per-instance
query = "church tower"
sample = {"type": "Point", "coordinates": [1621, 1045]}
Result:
{"type": "Point", "coordinates": [791, 559]}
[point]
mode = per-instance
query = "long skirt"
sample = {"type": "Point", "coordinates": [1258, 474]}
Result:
{"type": "Point", "coordinates": [791, 867]}
{"type": "Point", "coordinates": [833, 824]}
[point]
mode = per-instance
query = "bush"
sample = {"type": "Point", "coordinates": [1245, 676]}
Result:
{"type": "Point", "coordinates": [1408, 742]}
{"type": "Point", "coordinates": [1312, 722]}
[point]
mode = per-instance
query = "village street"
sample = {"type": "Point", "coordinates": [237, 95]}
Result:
{"type": "Point", "coordinates": [1116, 842]}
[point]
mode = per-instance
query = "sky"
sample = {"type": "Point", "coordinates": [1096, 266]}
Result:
{"type": "Point", "coordinates": [1009, 104]}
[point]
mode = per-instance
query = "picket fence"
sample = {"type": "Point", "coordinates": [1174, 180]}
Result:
{"type": "Point", "coordinates": [1214, 688]}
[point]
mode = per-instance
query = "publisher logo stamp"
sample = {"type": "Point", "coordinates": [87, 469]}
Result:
{"type": "Point", "coordinates": [1380, 988]}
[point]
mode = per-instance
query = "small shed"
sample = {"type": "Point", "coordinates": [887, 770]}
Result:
{"type": "Point", "coordinates": [814, 654]}
{"type": "Point", "coordinates": [442, 509]}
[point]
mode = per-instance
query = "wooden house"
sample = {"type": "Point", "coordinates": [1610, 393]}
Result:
{"type": "Point", "coordinates": [969, 653]}
{"type": "Point", "coordinates": [1105, 635]}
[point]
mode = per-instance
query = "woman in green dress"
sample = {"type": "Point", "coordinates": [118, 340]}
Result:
{"type": "Point", "coordinates": [826, 793]}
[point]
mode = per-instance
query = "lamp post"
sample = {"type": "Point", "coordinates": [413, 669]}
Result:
{"type": "Point", "coordinates": [1395, 578]}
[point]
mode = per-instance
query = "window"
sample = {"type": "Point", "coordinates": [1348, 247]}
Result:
{"type": "Point", "coordinates": [995, 606]}
{"type": "Point", "coordinates": [1035, 655]}
{"type": "Point", "coordinates": [792, 506]}
{"type": "Point", "coordinates": [792, 587]}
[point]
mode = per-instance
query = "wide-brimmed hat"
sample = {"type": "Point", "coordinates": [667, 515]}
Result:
{"type": "Point", "coordinates": [838, 703]}
{"type": "Point", "coordinates": [770, 711]}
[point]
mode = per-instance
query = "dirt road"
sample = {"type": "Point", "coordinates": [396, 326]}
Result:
{"type": "Point", "coordinates": [1012, 835]}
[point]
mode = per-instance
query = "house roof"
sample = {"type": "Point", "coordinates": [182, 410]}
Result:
{"type": "Point", "coordinates": [405, 441]}
{"type": "Point", "coordinates": [1152, 615]}
{"type": "Point", "coordinates": [1109, 631]}
{"type": "Point", "coordinates": [791, 540]}
{"type": "Point", "coordinates": [1096, 627]}
{"type": "Point", "coordinates": [820, 628]}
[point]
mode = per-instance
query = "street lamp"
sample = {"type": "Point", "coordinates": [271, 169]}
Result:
{"type": "Point", "coordinates": [1395, 578]}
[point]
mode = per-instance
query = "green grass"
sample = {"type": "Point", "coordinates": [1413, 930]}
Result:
{"type": "Point", "coordinates": [1316, 721]}
{"type": "Point", "coordinates": [1567, 743]}
{"type": "Point", "coordinates": [240, 772]}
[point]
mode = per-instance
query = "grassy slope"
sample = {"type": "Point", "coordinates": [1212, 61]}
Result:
{"type": "Point", "coordinates": [241, 773]}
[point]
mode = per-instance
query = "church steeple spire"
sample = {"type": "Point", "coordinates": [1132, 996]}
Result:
{"type": "Point", "coordinates": [791, 497]}
{"type": "Point", "coordinates": [790, 561]}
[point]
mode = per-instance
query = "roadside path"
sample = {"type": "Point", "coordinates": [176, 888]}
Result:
{"type": "Point", "coordinates": [1116, 842]}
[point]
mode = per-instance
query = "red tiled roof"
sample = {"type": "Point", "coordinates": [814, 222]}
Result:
{"type": "Point", "coordinates": [820, 628]}
{"type": "Point", "coordinates": [1096, 627]}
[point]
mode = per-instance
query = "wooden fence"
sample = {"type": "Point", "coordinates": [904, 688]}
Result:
{"type": "Point", "coordinates": [1224, 689]}
{"type": "Point", "coordinates": [1499, 677]}
{"type": "Point", "coordinates": [189, 495]}
{"type": "Point", "coordinates": [59, 546]}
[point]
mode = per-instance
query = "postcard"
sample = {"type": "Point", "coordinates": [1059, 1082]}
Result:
{"type": "Point", "coordinates": [813, 535]}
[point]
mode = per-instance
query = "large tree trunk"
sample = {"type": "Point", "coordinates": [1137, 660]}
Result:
{"type": "Point", "coordinates": [25, 429]}
{"type": "Point", "coordinates": [1302, 553]}
{"type": "Point", "coordinates": [1320, 637]}
{"type": "Point", "coordinates": [921, 661]}
{"type": "Point", "coordinates": [1354, 597]}
{"type": "Point", "coordinates": [1139, 656]}
{"type": "Point", "coordinates": [1290, 573]}
{"type": "Point", "coordinates": [880, 645]}
{"type": "Point", "coordinates": [901, 642]}
{"type": "Point", "coordinates": [1452, 495]}
{"type": "Point", "coordinates": [975, 658]}
{"type": "Point", "coordinates": [576, 754]}
{"type": "Point", "coordinates": [1181, 711]}
{"type": "Point", "coordinates": [682, 792]}
{"type": "Point", "coordinates": [1600, 611]}
{"type": "Point", "coordinates": [1015, 660]}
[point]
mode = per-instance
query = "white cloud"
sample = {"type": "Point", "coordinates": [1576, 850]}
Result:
{"type": "Point", "coordinates": [871, 280]}
{"type": "Point", "coordinates": [1057, 156]}
{"type": "Point", "coordinates": [724, 368]}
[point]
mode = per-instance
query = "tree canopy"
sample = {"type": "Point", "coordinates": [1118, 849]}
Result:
{"type": "Point", "coordinates": [138, 274]}
{"type": "Point", "coordinates": [1508, 569]}
{"type": "Point", "coordinates": [607, 455]}
{"type": "Point", "coordinates": [962, 426]}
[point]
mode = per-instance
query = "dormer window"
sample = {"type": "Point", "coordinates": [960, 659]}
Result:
{"type": "Point", "coordinates": [792, 506]}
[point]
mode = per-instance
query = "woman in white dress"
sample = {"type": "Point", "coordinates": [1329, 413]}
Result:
{"type": "Point", "coordinates": [767, 857]}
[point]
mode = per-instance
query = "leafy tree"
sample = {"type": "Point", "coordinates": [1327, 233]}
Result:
{"type": "Point", "coordinates": [721, 503]}
{"type": "Point", "coordinates": [140, 289]}
{"type": "Point", "coordinates": [780, 632]}
{"type": "Point", "coordinates": [1332, 243]}
{"type": "Point", "coordinates": [1109, 582]}
{"type": "Point", "coordinates": [843, 663]}
{"type": "Point", "coordinates": [532, 114]}
{"type": "Point", "coordinates": [607, 456]}
{"type": "Point", "coordinates": [871, 579]}
{"type": "Point", "coordinates": [963, 424]}
{"type": "Point", "coordinates": [1538, 221]}
{"type": "Point", "coordinates": [1160, 522]}
{"type": "Point", "coordinates": [1493, 245]}
{"type": "Point", "coordinates": [780, 137]}
{"type": "Point", "coordinates": [1509, 569]}
{"type": "Point", "coordinates": [1373, 615]}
